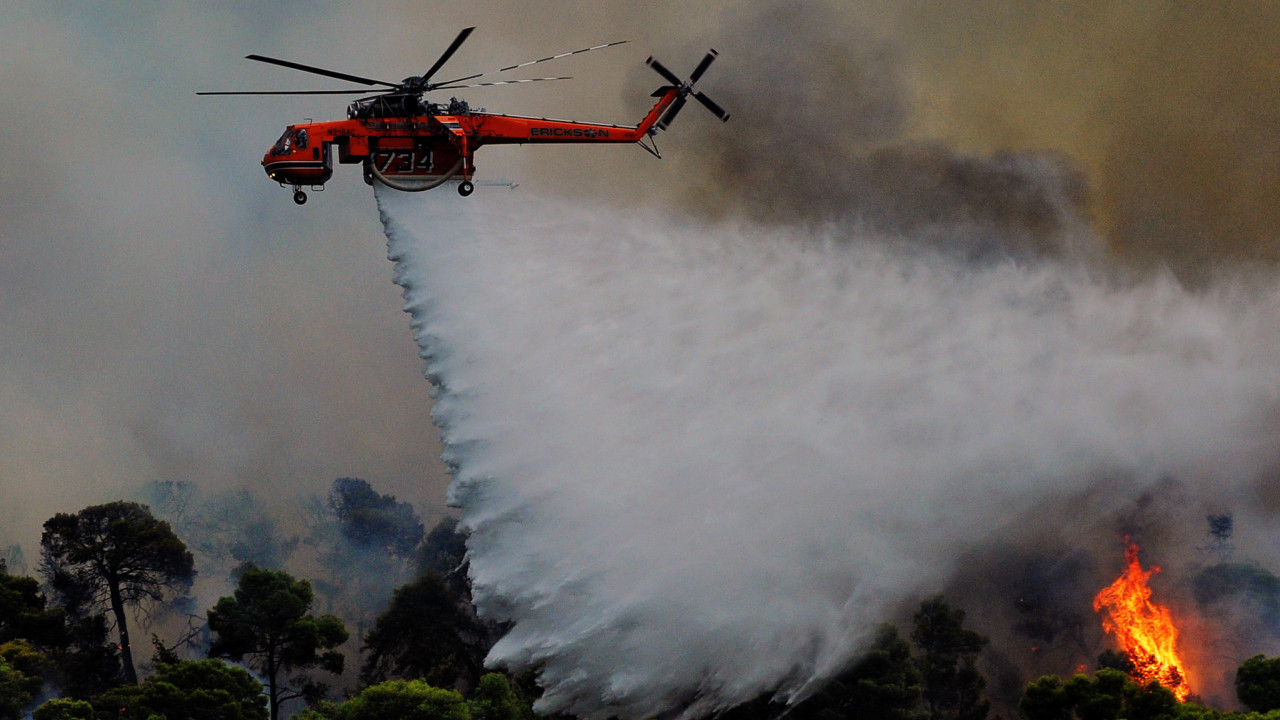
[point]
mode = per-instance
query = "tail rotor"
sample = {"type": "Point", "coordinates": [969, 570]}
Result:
{"type": "Point", "coordinates": [685, 89]}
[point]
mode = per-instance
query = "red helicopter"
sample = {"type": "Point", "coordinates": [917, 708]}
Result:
{"type": "Point", "coordinates": [408, 143]}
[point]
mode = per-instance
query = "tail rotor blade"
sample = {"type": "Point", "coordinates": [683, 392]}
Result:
{"type": "Point", "coordinates": [674, 110]}
{"type": "Point", "coordinates": [664, 72]}
{"type": "Point", "coordinates": [710, 104]}
{"type": "Point", "coordinates": [702, 66]}
{"type": "Point", "coordinates": [684, 89]}
{"type": "Point", "coordinates": [453, 47]}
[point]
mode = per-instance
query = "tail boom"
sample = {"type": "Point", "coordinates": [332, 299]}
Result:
{"type": "Point", "coordinates": [519, 130]}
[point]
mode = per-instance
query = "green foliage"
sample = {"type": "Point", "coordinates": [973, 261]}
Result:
{"type": "Point", "coordinates": [495, 699]}
{"type": "Point", "coordinates": [405, 700]}
{"type": "Point", "coordinates": [73, 649]}
{"type": "Point", "coordinates": [196, 690]}
{"type": "Point", "coordinates": [89, 663]}
{"type": "Point", "coordinates": [882, 684]}
{"type": "Point", "coordinates": [21, 656]}
{"type": "Point", "coordinates": [887, 683]}
{"type": "Point", "coordinates": [1115, 660]}
{"type": "Point", "coordinates": [374, 521]}
{"type": "Point", "coordinates": [444, 550]}
{"type": "Point", "coordinates": [952, 684]}
{"type": "Point", "coordinates": [63, 709]}
{"type": "Point", "coordinates": [1258, 683]}
{"type": "Point", "coordinates": [24, 613]}
{"type": "Point", "coordinates": [269, 621]}
{"type": "Point", "coordinates": [1109, 695]}
{"type": "Point", "coordinates": [368, 542]}
{"type": "Point", "coordinates": [425, 633]}
{"type": "Point", "coordinates": [114, 555]}
{"type": "Point", "coordinates": [17, 690]}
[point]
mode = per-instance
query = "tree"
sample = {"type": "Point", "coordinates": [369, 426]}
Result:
{"type": "Point", "coordinates": [1109, 695]}
{"type": "Point", "coordinates": [1258, 683]}
{"type": "Point", "coordinates": [24, 613]}
{"type": "Point", "coordinates": [269, 621]}
{"type": "Point", "coordinates": [426, 633]}
{"type": "Point", "coordinates": [1116, 660]}
{"type": "Point", "coordinates": [224, 528]}
{"type": "Point", "coordinates": [116, 555]}
{"type": "Point", "coordinates": [882, 684]}
{"type": "Point", "coordinates": [379, 534]}
{"type": "Point", "coordinates": [371, 520]}
{"type": "Point", "coordinates": [952, 684]}
{"type": "Point", "coordinates": [88, 664]}
{"type": "Point", "coordinates": [369, 543]}
{"type": "Point", "coordinates": [73, 643]}
{"type": "Point", "coordinates": [405, 700]}
{"type": "Point", "coordinates": [15, 692]}
{"type": "Point", "coordinates": [444, 551]}
{"type": "Point", "coordinates": [63, 709]}
{"type": "Point", "coordinates": [191, 690]}
{"type": "Point", "coordinates": [496, 699]}
{"type": "Point", "coordinates": [20, 679]}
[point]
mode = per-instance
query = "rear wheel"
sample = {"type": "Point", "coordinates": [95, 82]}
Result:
{"type": "Point", "coordinates": [300, 197]}
{"type": "Point", "coordinates": [466, 188]}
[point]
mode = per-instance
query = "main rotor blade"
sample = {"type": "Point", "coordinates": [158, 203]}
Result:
{"type": "Point", "coordinates": [291, 92]}
{"type": "Point", "coordinates": [320, 71]}
{"type": "Point", "coordinates": [453, 47]}
{"type": "Point", "coordinates": [674, 110]}
{"type": "Point", "coordinates": [533, 62]}
{"type": "Point", "coordinates": [497, 82]}
{"type": "Point", "coordinates": [712, 106]}
{"type": "Point", "coordinates": [702, 66]}
{"type": "Point", "coordinates": [664, 72]}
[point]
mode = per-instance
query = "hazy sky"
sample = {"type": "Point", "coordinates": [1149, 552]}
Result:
{"type": "Point", "coordinates": [167, 313]}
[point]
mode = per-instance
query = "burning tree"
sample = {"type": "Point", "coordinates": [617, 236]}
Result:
{"type": "Point", "coordinates": [1145, 630]}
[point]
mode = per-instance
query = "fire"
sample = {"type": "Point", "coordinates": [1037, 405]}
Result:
{"type": "Point", "coordinates": [1144, 629]}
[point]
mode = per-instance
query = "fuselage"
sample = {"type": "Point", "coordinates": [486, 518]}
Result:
{"type": "Point", "coordinates": [427, 146]}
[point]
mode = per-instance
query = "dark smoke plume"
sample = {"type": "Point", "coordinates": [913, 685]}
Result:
{"type": "Point", "coordinates": [822, 108]}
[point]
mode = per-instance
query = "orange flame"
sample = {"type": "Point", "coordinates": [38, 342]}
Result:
{"type": "Point", "coordinates": [1144, 629]}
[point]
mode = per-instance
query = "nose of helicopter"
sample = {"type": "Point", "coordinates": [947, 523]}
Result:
{"type": "Point", "coordinates": [294, 160]}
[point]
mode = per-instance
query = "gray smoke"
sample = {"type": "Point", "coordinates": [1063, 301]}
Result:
{"type": "Point", "coordinates": [700, 462]}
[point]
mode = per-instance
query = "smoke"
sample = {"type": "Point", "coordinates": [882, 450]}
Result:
{"type": "Point", "coordinates": [822, 111]}
{"type": "Point", "coordinates": [1166, 112]}
{"type": "Point", "coordinates": [700, 462]}
{"type": "Point", "coordinates": [1169, 108]}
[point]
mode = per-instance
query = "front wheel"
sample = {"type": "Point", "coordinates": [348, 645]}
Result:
{"type": "Point", "coordinates": [300, 197]}
{"type": "Point", "coordinates": [465, 188]}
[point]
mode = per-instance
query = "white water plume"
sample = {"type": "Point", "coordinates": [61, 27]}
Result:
{"type": "Point", "coordinates": [700, 463]}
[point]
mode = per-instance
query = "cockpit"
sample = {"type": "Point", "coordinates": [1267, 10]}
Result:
{"type": "Point", "coordinates": [290, 139]}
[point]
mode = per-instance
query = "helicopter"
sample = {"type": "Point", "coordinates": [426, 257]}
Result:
{"type": "Point", "coordinates": [411, 144]}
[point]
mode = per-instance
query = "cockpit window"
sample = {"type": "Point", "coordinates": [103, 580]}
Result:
{"type": "Point", "coordinates": [302, 139]}
{"type": "Point", "coordinates": [284, 145]}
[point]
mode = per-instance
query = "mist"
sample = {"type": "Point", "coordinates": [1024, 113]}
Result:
{"type": "Point", "coordinates": [701, 462]}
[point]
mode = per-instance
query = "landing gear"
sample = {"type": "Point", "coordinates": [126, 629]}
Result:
{"type": "Point", "coordinates": [465, 188]}
{"type": "Point", "coordinates": [300, 197]}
